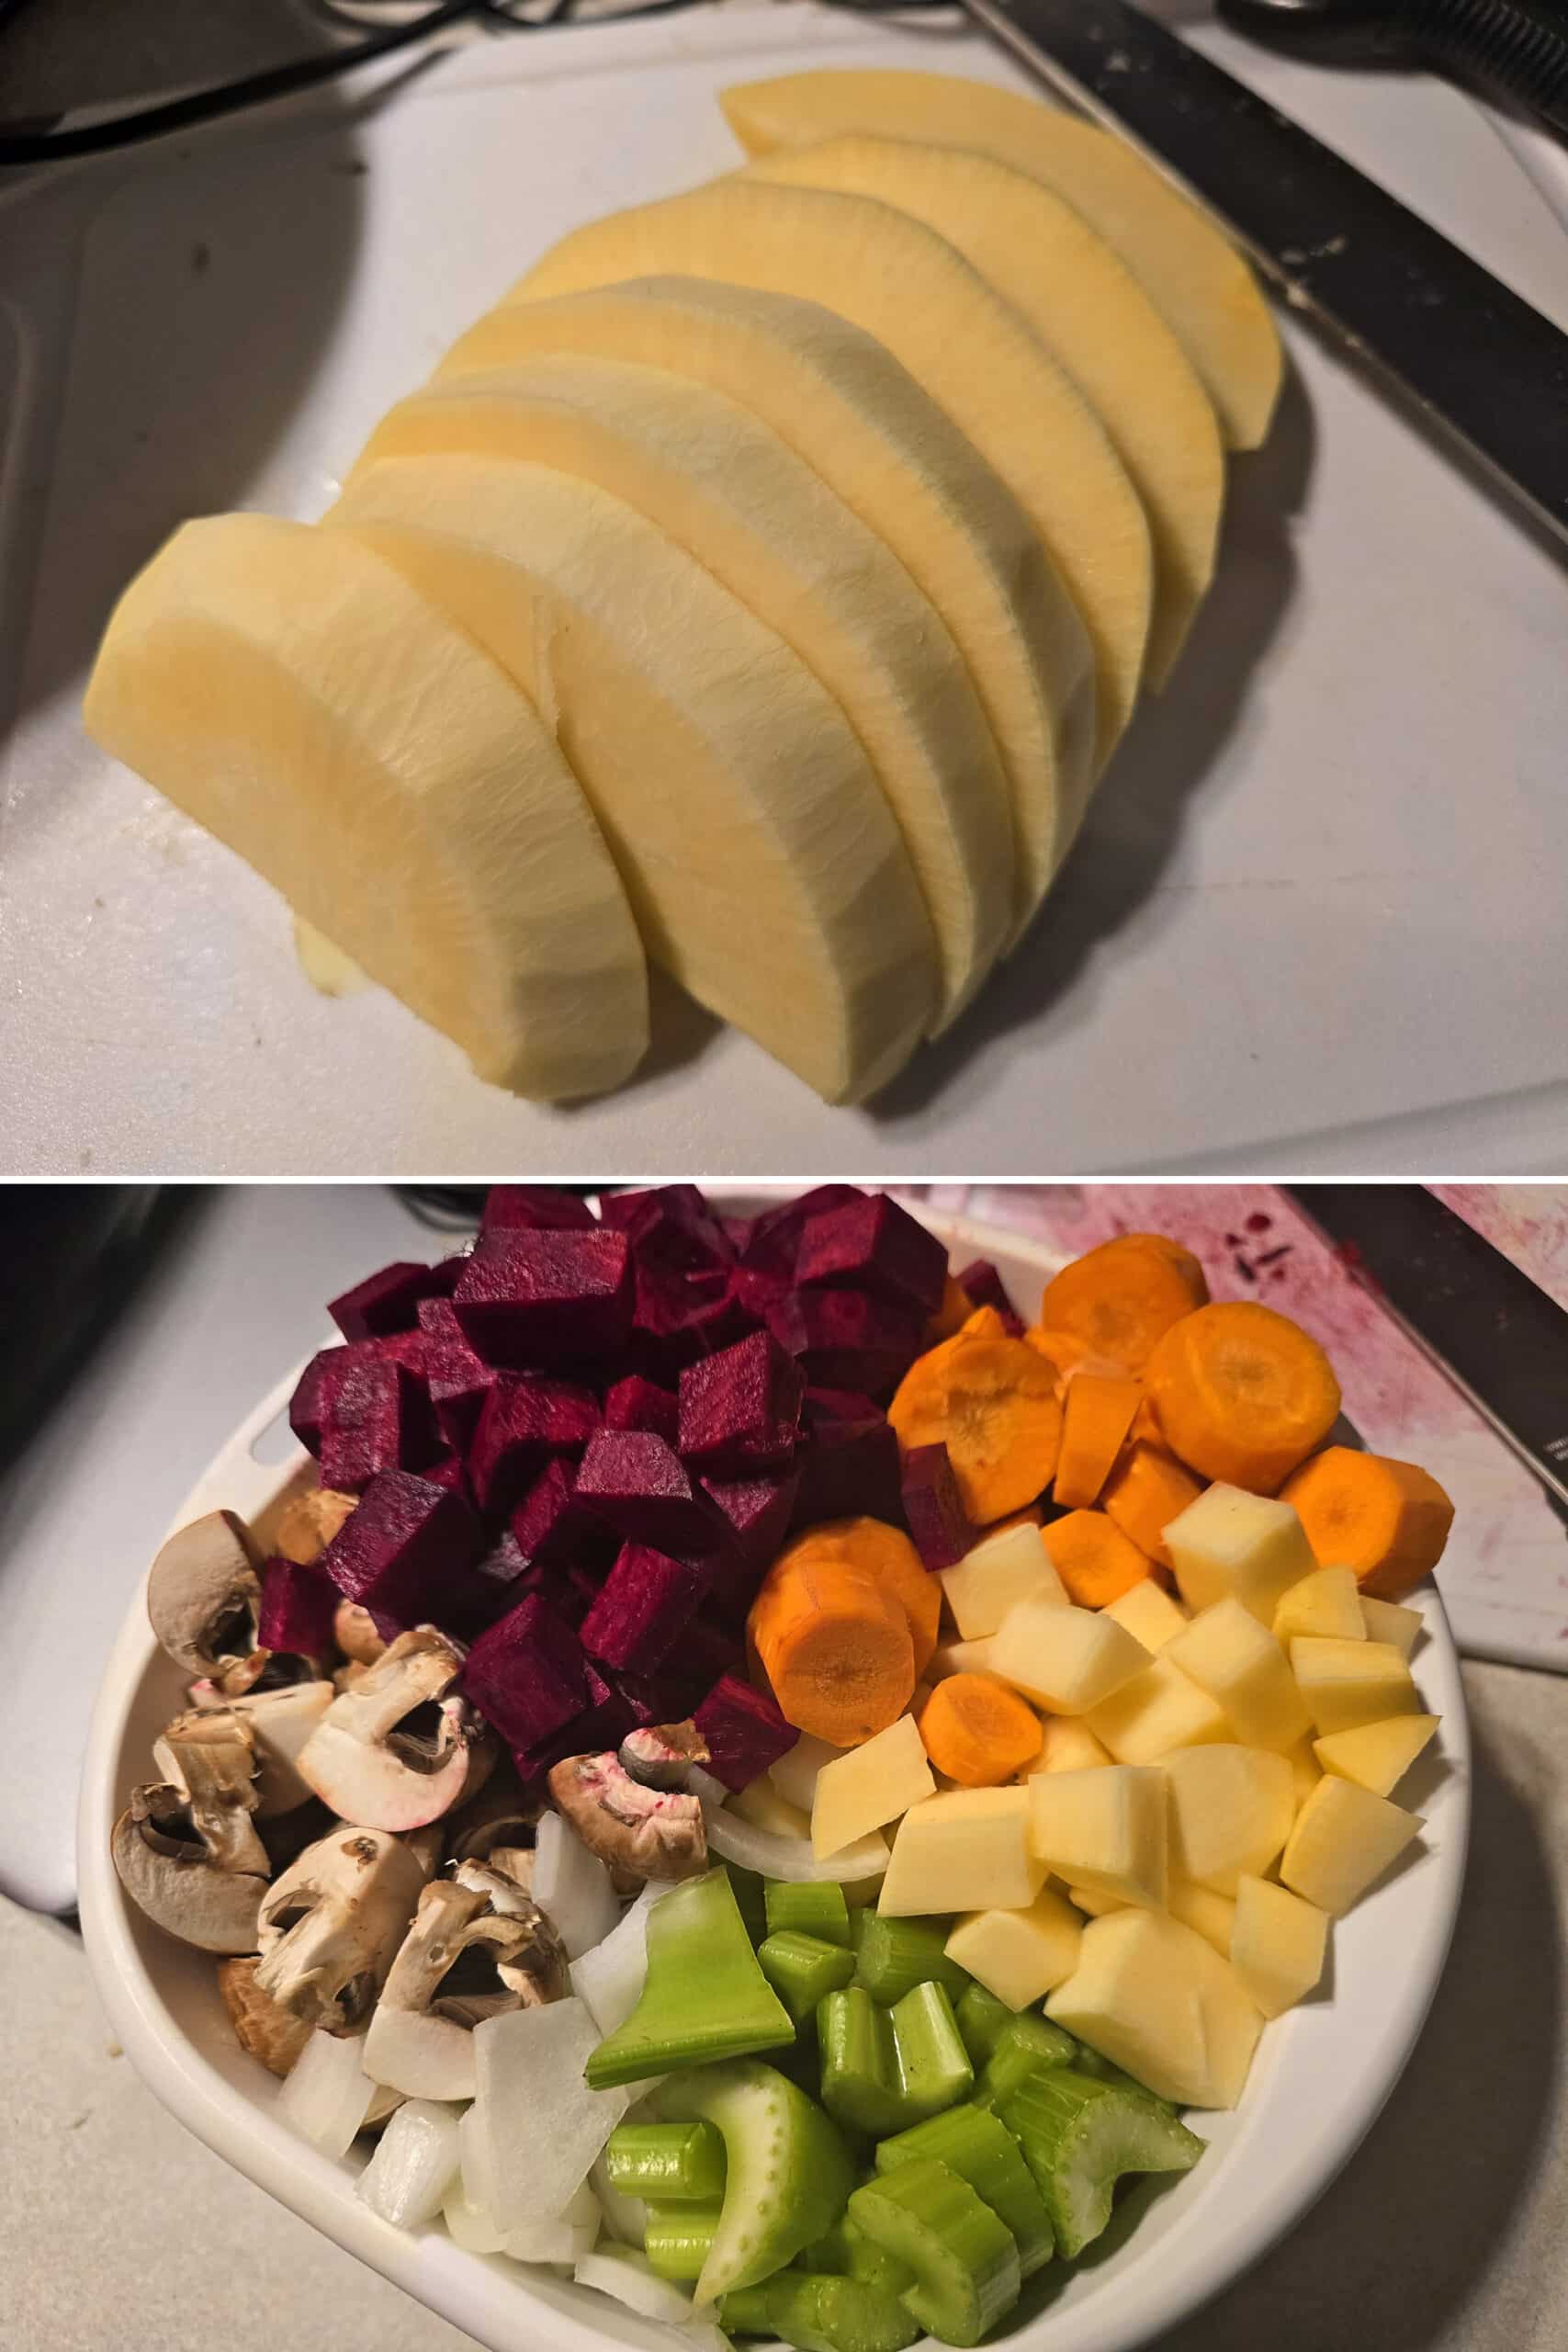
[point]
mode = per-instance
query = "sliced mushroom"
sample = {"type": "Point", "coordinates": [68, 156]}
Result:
{"type": "Point", "coordinates": [350, 1677]}
{"type": "Point", "coordinates": [203, 1594]}
{"type": "Point", "coordinates": [401, 1747]}
{"type": "Point", "coordinates": [331, 1926]}
{"type": "Point", "coordinates": [662, 1755]}
{"type": "Point", "coordinates": [354, 1630]}
{"type": "Point", "coordinates": [309, 1523]}
{"type": "Point", "coordinates": [478, 1946]}
{"type": "Point", "coordinates": [501, 1814]}
{"type": "Point", "coordinates": [209, 1754]}
{"type": "Point", "coordinates": [186, 1849]}
{"type": "Point", "coordinates": [279, 1724]}
{"type": "Point", "coordinates": [652, 1833]}
{"type": "Point", "coordinates": [263, 2027]}
{"type": "Point", "coordinates": [515, 1862]}
{"type": "Point", "coordinates": [428, 1845]}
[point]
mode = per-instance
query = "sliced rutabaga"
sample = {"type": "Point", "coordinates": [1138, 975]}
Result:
{"type": "Point", "coordinates": [296, 696]}
{"type": "Point", "coordinates": [736, 801]}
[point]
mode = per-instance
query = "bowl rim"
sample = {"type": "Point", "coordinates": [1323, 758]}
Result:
{"type": "Point", "coordinates": [1124, 2312]}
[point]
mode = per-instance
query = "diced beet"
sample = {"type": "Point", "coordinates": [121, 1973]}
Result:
{"type": "Point", "coordinates": [981, 1283]}
{"type": "Point", "coordinates": [435, 1315]}
{"type": "Point", "coordinates": [639, 1404]}
{"type": "Point", "coordinates": [933, 1509]}
{"type": "Point", "coordinates": [876, 1246]}
{"type": "Point", "coordinates": [505, 1563]}
{"type": "Point", "coordinates": [527, 1673]}
{"type": "Point", "coordinates": [671, 1226]}
{"type": "Point", "coordinates": [708, 1652]}
{"type": "Point", "coordinates": [775, 1234]}
{"type": "Point", "coordinates": [849, 1470]}
{"type": "Point", "coordinates": [298, 1606]}
{"type": "Point", "coordinates": [845, 1338]}
{"type": "Point", "coordinates": [378, 1419]}
{"type": "Point", "coordinates": [737, 1232]}
{"type": "Point", "coordinates": [538, 1299]}
{"type": "Point", "coordinates": [740, 1410]}
{"type": "Point", "coordinates": [646, 1605]}
{"type": "Point", "coordinates": [406, 1553]}
{"type": "Point", "coordinates": [534, 1208]}
{"type": "Point", "coordinates": [310, 1408]}
{"type": "Point", "coordinates": [449, 1471]}
{"type": "Point", "coordinates": [838, 1405]}
{"type": "Point", "coordinates": [604, 1723]}
{"type": "Point", "coordinates": [458, 1382]}
{"type": "Point", "coordinates": [634, 1482]}
{"type": "Point", "coordinates": [758, 1511]}
{"type": "Point", "coordinates": [523, 1421]}
{"type": "Point", "coordinates": [646, 1697]}
{"type": "Point", "coordinates": [744, 1730]}
{"type": "Point", "coordinates": [387, 1301]}
{"type": "Point", "coordinates": [552, 1530]}
{"type": "Point", "coordinates": [679, 1318]}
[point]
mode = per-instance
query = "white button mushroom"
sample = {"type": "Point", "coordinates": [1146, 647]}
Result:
{"type": "Point", "coordinates": [279, 1722]}
{"type": "Point", "coordinates": [186, 1849]}
{"type": "Point", "coordinates": [203, 1595]}
{"type": "Point", "coordinates": [649, 1832]}
{"type": "Point", "coordinates": [331, 1925]}
{"type": "Point", "coordinates": [479, 1946]}
{"type": "Point", "coordinates": [371, 1756]}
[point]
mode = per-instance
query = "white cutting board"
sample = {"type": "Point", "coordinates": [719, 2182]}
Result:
{"type": "Point", "coordinates": [1316, 919]}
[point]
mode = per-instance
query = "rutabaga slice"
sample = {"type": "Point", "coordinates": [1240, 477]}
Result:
{"type": "Point", "coordinates": [609, 1976]}
{"type": "Point", "coordinates": [539, 2126]}
{"type": "Point", "coordinates": [723, 485]}
{"type": "Point", "coordinates": [573, 1887]}
{"type": "Point", "coordinates": [327, 2095]}
{"type": "Point", "coordinates": [295, 694]}
{"type": "Point", "coordinates": [764, 866]}
{"type": "Point", "coordinates": [415, 2164]}
{"type": "Point", "coordinates": [875, 437]}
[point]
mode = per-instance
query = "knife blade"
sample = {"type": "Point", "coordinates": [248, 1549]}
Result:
{"type": "Point", "coordinates": [1483, 367]}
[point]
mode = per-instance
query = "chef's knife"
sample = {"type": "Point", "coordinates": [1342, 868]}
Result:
{"type": "Point", "coordinates": [1478, 362]}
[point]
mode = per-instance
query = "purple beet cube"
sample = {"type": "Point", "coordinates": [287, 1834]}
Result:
{"type": "Point", "coordinates": [744, 1730]}
{"type": "Point", "coordinates": [505, 1564]}
{"type": "Point", "coordinates": [406, 1553]}
{"type": "Point", "coordinates": [383, 1302]}
{"type": "Point", "coordinates": [534, 1208]}
{"type": "Point", "coordinates": [876, 1246]}
{"type": "Point", "coordinates": [639, 1404]}
{"type": "Point", "coordinates": [647, 1699]}
{"type": "Point", "coordinates": [838, 1405]}
{"type": "Point", "coordinates": [774, 1238]}
{"type": "Point", "coordinates": [648, 1601]}
{"type": "Point", "coordinates": [758, 1512]}
{"type": "Point", "coordinates": [310, 1408]}
{"type": "Point", "coordinates": [457, 1384]}
{"type": "Point", "coordinates": [521, 1423]}
{"type": "Point", "coordinates": [679, 1318]}
{"type": "Point", "coordinates": [849, 1470]}
{"type": "Point", "coordinates": [845, 1338]}
{"type": "Point", "coordinates": [602, 1723]}
{"type": "Point", "coordinates": [740, 1410]}
{"type": "Point", "coordinates": [634, 1482]}
{"type": "Point", "coordinates": [449, 1471]}
{"type": "Point", "coordinates": [981, 1283]}
{"type": "Point", "coordinates": [298, 1606]}
{"type": "Point", "coordinates": [552, 1530]}
{"type": "Point", "coordinates": [671, 1227]}
{"type": "Point", "coordinates": [436, 1315]}
{"type": "Point", "coordinates": [527, 1673]}
{"type": "Point", "coordinates": [378, 1420]}
{"type": "Point", "coordinates": [933, 1510]}
{"type": "Point", "coordinates": [533, 1300]}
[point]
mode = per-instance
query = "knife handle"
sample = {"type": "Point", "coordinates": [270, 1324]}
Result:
{"type": "Point", "coordinates": [1508, 47]}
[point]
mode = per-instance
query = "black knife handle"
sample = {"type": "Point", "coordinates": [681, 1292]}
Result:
{"type": "Point", "coordinates": [1514, 49]}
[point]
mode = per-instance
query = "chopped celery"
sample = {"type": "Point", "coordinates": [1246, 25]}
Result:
{"type": "Point", "coordinates": [1090, 2062]}
{"type": "Point", "coordinates": [836, 2314]}
{"type": "Point", "coordinates": [802, 1968]}
{"type": "Point", "coordinates": [748, 1889]}
{"type": "Point", "coordinates": [1024, 2043]}
{"type": "Point", "coordinates": [981, 2018]}
{"type": "Point", "coordinates": [847, 2253]}
{"type": "Point", "coordinates": [816, 1907]}
{"type": "Point", "coordinates": [892, 1956]}
{"type": "Point", "coordinates": [744, 2311]}
{"type": "Point", "coordinates": [974, 2143]}
{"type": "Point", "coordinates": [676, 2163]}
{"type": "Point", "coordinates": [680, 2239]}
{"type": "Point", "coordinates": [704, 1996]}
{"type": "Point", "coordinates": [788, 2174]}
{"type": "Point", "coordinates": [964, 2259]}
{"type": "Point", "coordinates": [885, 2069]}
{"type": "Point", "coordinates": [1079, 2135]}
{"type": "Point", "coordinates": [933, 2065]}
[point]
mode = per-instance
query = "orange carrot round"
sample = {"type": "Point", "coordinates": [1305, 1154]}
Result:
{"type": "Point", "coordinates": [1243, 1394]}
{"type": "Point", "coordinates": [992, 1402]}
{"type": "Point", "coordinates": [886, 1555]}
{"type": "Point", "coordinates": [1062, 1349]}
{"type": "Point", "coordinates": [956, 1308]}
{"type": "Point", "coordinates": [1097, 1410]}
{"type": "Point", "coordinates": [834, 1644]}
{"type": "Point", "coordinates": [1148, 1488]}
{"type": "Point", "coordinates": [977, 1731]}
{"type": "Point", "coordinates": [1094, 1559]}
{"type": "Point", "coordinates": [1122, 1298]}
{"type": "Point", "coordinates": [1387, 1519]}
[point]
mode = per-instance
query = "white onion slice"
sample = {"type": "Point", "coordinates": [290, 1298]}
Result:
{"type": "Point", "coordinates": [414, 2164]}
{"type": "Point", "coordinates": [573, 1887]}
{"type": "Point", "coordinates": [610, 1976]}
{"type": "Point", "coordinates": [328, 2094]}
{"type": "Point", "coordinates": [792, 1857]}
{"type": "Point", "coordinates": [467, 2226]}
{"type": "Point", "coordinates": [628, 2277]}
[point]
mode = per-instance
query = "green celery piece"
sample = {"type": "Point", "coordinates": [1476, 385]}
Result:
{"type": "Point", "coordinates": [892, 1956]}
{"type": "Point", "coordinates": [847, 2253]}
{"type": "Point", "coordinates": [802, 1968]}
{"type": "Point", "coordinates": [1024, 2043]}
{"type": "Point", "coordinates": [975, 2143]}
{"type": "Point", "coordinates": [933, 2065]}
{"type": "Point", "coordinates": [744, 2311]}
{"type": "Point", "coordinates": [788, 2173]}
{"type": "Point", "coordinates": [704, 1996]}
{"type": "Point", "coordinates": [964, 2259]}
{"type": "Point", "coordinates": [885, 2069]}
{"type": "Point", "coordinates": [1079, 2135]}
{"type": "Point", "coordinates": [816, 1908]}
{"type": "Point", "coordinates": [836, 2314]}
{"type": "Point", "coordinates": [674, 2163]}
{"type": "Point", "coordinates": [981, 2020]}
{"type": "Point", "coordinates": [678, 2239]}
{"type": "Point", "coordinates": [748, 1888]}
{"type": "Point", "coordinates": [1090, 2062]}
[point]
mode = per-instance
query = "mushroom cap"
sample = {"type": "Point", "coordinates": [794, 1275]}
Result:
{"type": "Point", "coordinates": [263, 2029]}
{"type": "Point", "coordinates": [165, 1867]}
{"type": "Point", "coordinates": [651, 1833]}
{"type": "Point", "coordinates": [330, 1927]}
{"type": "Point", "coordinates": [361, 1759]}
{"type": "Point", "coordinates": [203, 1594]}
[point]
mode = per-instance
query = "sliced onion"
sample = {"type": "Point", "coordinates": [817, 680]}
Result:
{"type": "Point", "coordinates": [791, 1857]}
{"type": "Point", "coordinates": [328, 2092]}
{"type": "Point", "coordinates": [628, 2277]}
{"type": "Point", "coordinates": [416, 2163]}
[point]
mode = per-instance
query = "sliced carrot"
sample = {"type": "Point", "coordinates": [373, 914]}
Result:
{"type": "Point", "coordinates": [1145, 1425]}
{"type": "Point", "coordinates": [983, 1323]}
{"type": "Point", "coordinates": [1033, 1516]}
{"type": "Point", "coordinates": [1097, 1410]}
{"type": "Point", "coordinates": [1387, 1519]}
{"type": "Point", "coordinates": [1243, 1394]}
{"type": "Point", "coordinates": [950, 1317]}
{"type": "Point", "coordinates": [977, 1731]}
{"type": "Point", "coordinates": [886, 1555]}
{"type": "Point", "coordinates": [1062, 1349]}
{"type": "Point", "coordinates": [1096, 1561]}
{"type": "Point", "coordinates": [834, 1644]}
{"type": "Point", "coordinates": [1122, 1298]}
{"type": "Point", "coordinates": [1145, 1492]}
{"type": "Point", "coordinates": [992, 1402]}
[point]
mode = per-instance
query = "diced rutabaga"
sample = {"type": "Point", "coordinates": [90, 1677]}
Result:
{"type": "Point", "coordinates": [1231, 1545]}
{"type": "Point", "coordinates": [610, 1976]}
{"type": "Point", "coordinates": [1001, 1570]}
{"type": "Point", "coordinates": [573, 1887]}
{"type": "Point", "coordinates": [1150, 1614]}
{"type": "Point", "coordinates": [327, 2095]}
{"type": "Point", "coordinates": [414, 2164]}
{"type": "Point", "coordinates": [793, 1774]}
{"type": "Point", "coordinates": [1104, 1827]}
{"type": "Point", "coordinates": [540, 2127]}
{"type": "Point", "coordinates": [1068, 1660]}
{"type": "Point", "coordinates": [873, 1784]}
{"type": "Point", "coordinates": [1241, 1666]}
{"type": "Point", "coordinates": [1231, 1810]}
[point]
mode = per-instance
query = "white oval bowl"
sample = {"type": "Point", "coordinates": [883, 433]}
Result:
{"type": "Point", "coordinates": [1321, 2075]}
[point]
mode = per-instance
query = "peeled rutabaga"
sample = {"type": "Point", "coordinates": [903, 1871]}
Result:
{"type": "Point", "coordinates": [295, 694]}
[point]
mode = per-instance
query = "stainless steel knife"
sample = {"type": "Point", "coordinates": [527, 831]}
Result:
{"type": "Point", "coordinates": [1479, 364]}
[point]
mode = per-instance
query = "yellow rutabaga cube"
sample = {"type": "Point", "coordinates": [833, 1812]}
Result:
{"type": "Point", "coordinates": [1010, 1565]}
{"type": "Point", "coordinates": [1150, 1614]}
{"type": "Point", "coordinates": [1344, 1838]}
{"type": "Point", "coordinates": [1068, 1744]}
{"type": "Point", "coordinates": [1152, 1996]}
{"type": "Point", "coordinates": [959, 1658]}
{"type": "Point", "coordinates": [1377, 1756]}
{"type": "Point", "coordinates": [964, 1849]}
{"type": "Point", "coordinates": [869, 1786]}
{"type": "Point", "coordinates": [793, 1774]}
{"type": "Point", "coordinates": [1233, 1545]}
{"type": "Point", "coordinates": [1104, 1829]}
{"type": "Point", "coordinates": [1329, 1602]}
{"type": "Point", "coordinates": [1067, 1659]}
{"type": "Point", "coordinates": [1386, 1620]}
{"type": "Point", "coordinates": [1305, 1770]}
{"type": "Point", "coordinates": [1019, 1956]}
{"type": "Point", "coordinates": [1160, 1710]}
{"type": "Point", "coordinates": [1278, 1944]}
{"type": "Point", "coordinates": [1347, 1684]}
{"type": "Point", "coordinates": [1209, 1914]}
{"type": "Point", "coordinates": [1231, 1810]}
{"type": "Point", "coordinates": [1095, 1901]}
{"type": "Point", "coordinates": [1237, 1661]}
{"type": "Point", "coordinates": [765, 1808]}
